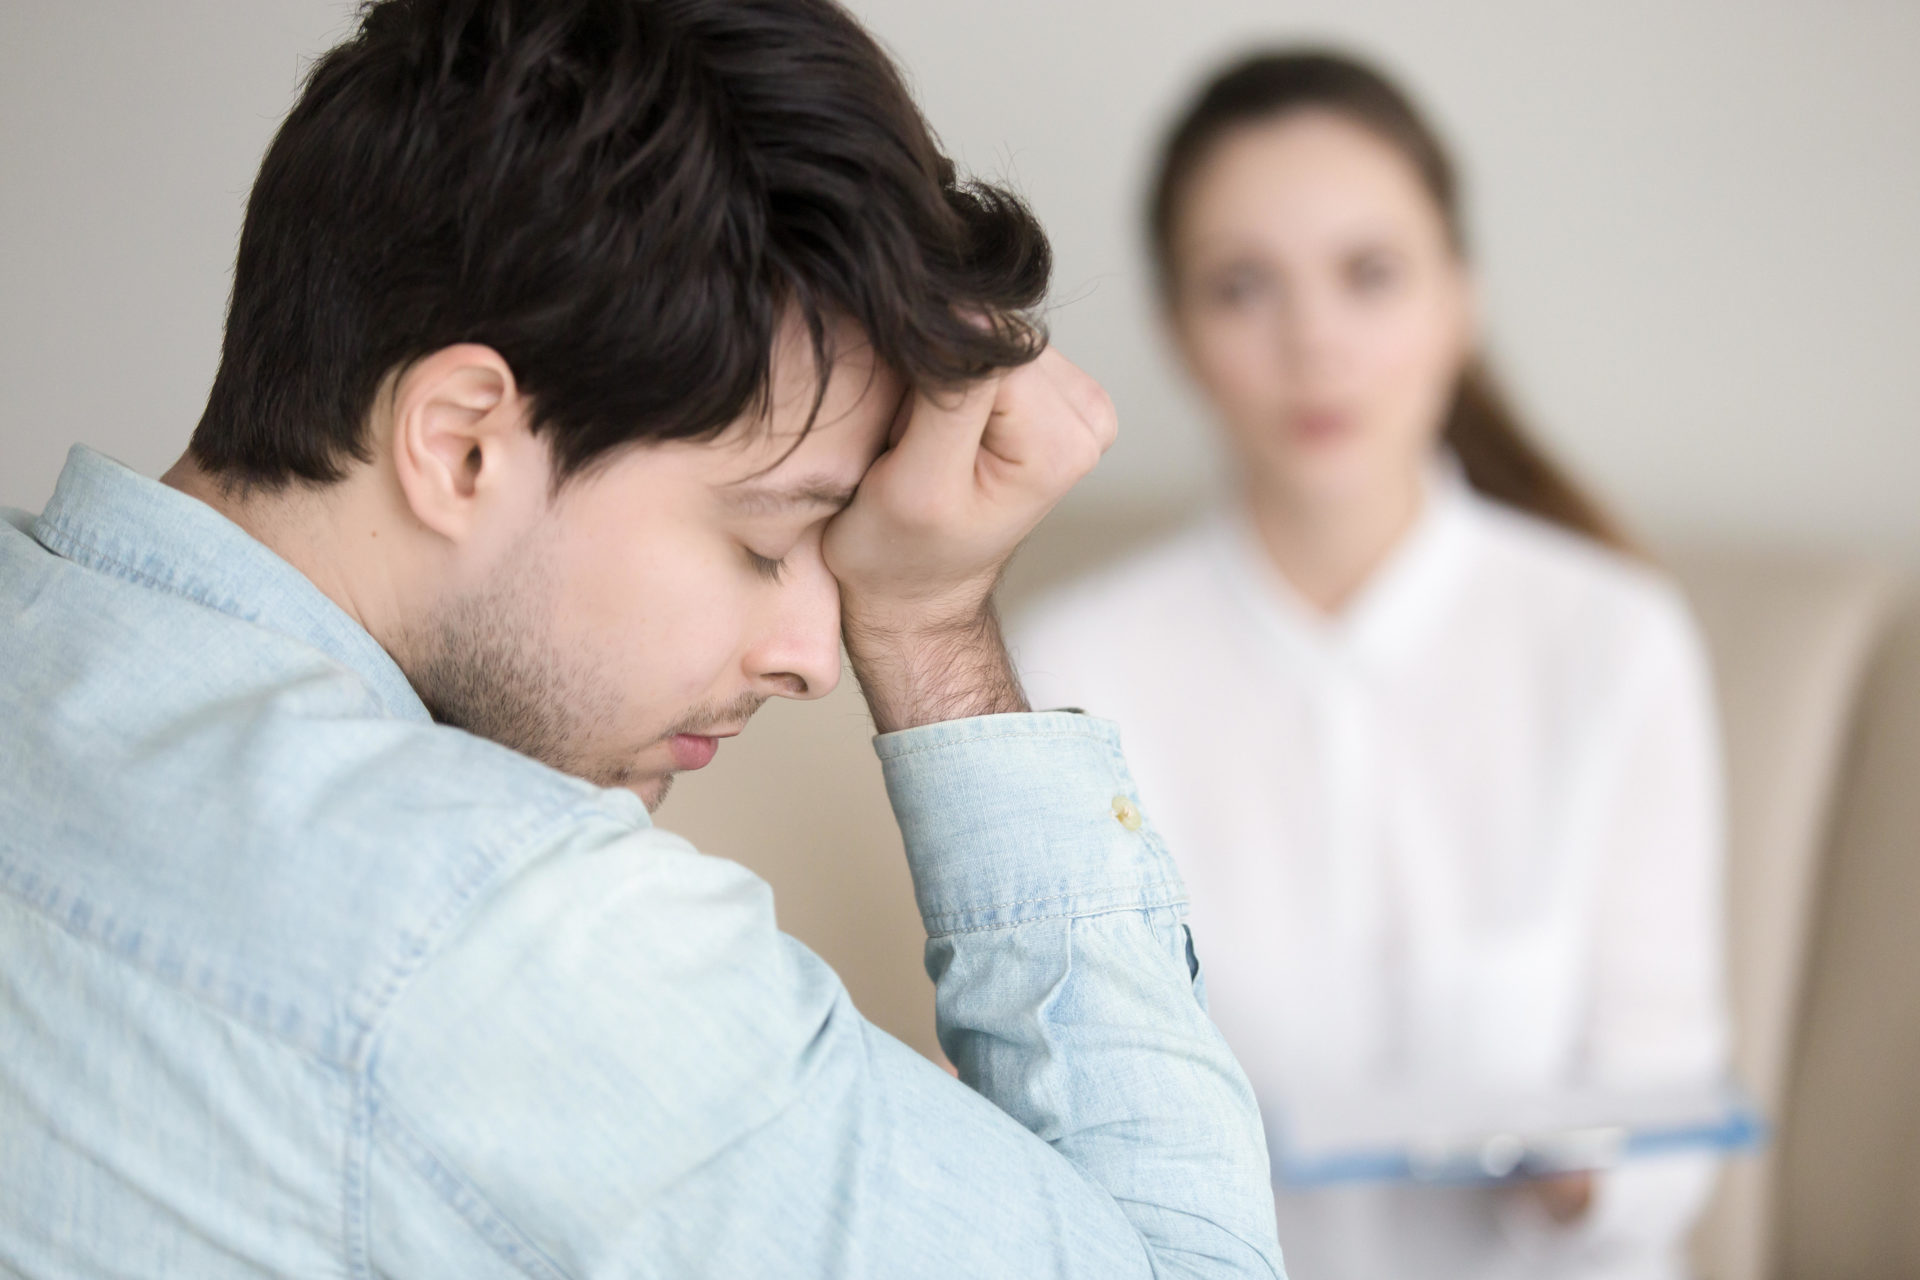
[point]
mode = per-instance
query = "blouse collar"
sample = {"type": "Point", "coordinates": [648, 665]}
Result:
{"type": "Point", "coordinates": [1394, 611]}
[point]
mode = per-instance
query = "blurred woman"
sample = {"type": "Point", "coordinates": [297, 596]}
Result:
{"type": "Point", "coordinates": [1435, 747]}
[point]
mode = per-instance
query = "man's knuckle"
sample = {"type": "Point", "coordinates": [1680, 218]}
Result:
{"type": "Point", "coordinates": [1097, 407]}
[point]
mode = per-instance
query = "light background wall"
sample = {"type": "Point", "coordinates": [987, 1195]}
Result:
{"type": "Point", "coordinates": [1699, 222]}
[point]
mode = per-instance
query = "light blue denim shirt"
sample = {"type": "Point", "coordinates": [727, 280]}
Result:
{"type": "Point", "coordinates": [295, 982]}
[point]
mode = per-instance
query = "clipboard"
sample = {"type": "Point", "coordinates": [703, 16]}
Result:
{"type": "Point", "coordinates": [1436, 1136]}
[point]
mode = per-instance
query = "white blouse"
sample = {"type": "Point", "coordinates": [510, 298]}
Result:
{"type": "Point", "coordinates": [1465, 834]}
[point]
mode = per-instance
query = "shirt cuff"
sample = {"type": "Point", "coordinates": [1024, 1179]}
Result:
{"type": "Point", "coordinates": [1014, 818]}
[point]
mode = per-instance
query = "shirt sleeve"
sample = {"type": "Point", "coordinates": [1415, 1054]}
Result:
{"type": "Point", "coordinates": [620, 1067]}
{"type": "Point", "coordinates": [1658, 1012]}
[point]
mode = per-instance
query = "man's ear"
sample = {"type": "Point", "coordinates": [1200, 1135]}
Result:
{"type": "Point", "coordinates": [460, 439]}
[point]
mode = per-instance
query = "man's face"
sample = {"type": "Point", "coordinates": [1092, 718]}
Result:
{"type": "Point", "coordinates": [663, 596]}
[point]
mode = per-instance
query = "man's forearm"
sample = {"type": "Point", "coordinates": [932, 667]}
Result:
{"type": "Point", "coordinates": [967, 475]}
{"type": "Point", "coordinates": [946, 673]}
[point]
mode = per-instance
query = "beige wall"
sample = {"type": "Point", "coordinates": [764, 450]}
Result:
{"type": "Point", "coordinates": [1700, 223]}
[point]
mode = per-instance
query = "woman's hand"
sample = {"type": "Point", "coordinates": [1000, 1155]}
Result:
{"type": "Point", "coordinates": [1564, 1197]}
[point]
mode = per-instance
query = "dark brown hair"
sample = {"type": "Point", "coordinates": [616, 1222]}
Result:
{"type": "Point", "coordinates": [622, 198]}
{"type": "Point", "coordinates": [1496, 451]}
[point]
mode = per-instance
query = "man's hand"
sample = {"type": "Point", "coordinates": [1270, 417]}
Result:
{"type": "Point", "coordinates": [918, 553]}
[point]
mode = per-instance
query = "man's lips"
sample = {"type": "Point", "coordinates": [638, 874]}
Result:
{"type": "Point", "coordinates": [695, 750]}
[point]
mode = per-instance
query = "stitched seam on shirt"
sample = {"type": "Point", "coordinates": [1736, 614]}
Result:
{"type": "Point", "coordinates": [493, 856]}
{"type": "Point", "coordinates": [935, 931]}
{"type": "Point", "coordinates": [190, 589]}
{"type": "Point", "coordinates": [458, 909]}
{"type": "Point", "coordinates": [113, 560]}
{"type": "Point", "coordinates": [509, 1242]}
{"type": "Point", "coordinates": [975, 736]}
{"type": "Point", "coordinates": [501, 860]}
{"type": "Point", "coordinates": [218, 1011]}
{"type": "Point", "coordinates": [356, 1173]}
{"type": "Point", "coordinates": [1153, 887]}
{"type": "Point", "coordinates": [353, 1215]}
{"type": "Point", "coordinates": [487, 874]}
{"type": "Point", "coordinates": [1001, 906]}
{"type": "Point", "coordinates": [185, 990]}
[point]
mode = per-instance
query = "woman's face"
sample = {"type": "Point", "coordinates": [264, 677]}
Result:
{"type": "Point", "coordinates": [1319, 303]}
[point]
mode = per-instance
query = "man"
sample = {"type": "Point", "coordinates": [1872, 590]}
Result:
{"type": "Point", "coordinates": [592, 367]}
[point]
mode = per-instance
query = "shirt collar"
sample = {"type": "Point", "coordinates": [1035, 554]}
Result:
{"type": "Point", "coordinates": [110, 519]}
{"type": "Point", "coordinates": [1389, 616]}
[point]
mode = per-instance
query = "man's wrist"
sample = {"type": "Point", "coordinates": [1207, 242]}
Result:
{"type": "Point", "coordinates": [920, 676]}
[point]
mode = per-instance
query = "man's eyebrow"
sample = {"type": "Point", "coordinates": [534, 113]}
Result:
{"type": "Point", "coordinates": [769, 499]}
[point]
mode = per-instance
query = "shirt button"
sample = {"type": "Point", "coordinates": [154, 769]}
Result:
{"type": "Point", "coordinates": [1127, 812]}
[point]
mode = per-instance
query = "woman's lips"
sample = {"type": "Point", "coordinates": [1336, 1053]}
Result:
{"type": "Point", "coordinates": [691, 751]}
{"type": "Point", "coordinates": [1319, 426]}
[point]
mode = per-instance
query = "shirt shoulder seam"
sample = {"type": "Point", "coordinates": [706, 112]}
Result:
{"type": "Point", "coordinates": [17, 883]}
{"type": "Point", "coordinates": [444, 1180]}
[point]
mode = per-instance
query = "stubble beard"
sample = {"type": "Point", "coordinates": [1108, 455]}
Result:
{"type": "Point", "coordinates": [486, 662]}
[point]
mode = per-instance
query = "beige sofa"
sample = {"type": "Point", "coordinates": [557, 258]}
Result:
{"type": "Point", "coordinates": [1819, 671]}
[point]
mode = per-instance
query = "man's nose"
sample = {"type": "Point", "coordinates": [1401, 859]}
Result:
{"type": "Point", "coordinates": [799, 654]}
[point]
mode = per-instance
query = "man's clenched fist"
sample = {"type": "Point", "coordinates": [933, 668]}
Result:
{"type": "Point", "coordinates": [967, 477]}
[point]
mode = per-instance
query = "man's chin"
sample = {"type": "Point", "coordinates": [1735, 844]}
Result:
{"type": "Point", "coordinates": [652, 791]}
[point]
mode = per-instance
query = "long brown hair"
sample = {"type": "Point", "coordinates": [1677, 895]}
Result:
{"type": "Point", "coordinates": [1498, 454]}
